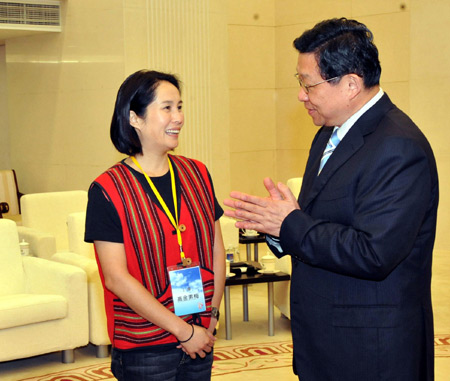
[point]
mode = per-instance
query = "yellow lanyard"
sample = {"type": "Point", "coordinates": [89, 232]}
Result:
{"type": "Point", "coordinates": [163, 204]}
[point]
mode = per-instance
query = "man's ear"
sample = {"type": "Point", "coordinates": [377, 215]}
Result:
{"type": "Point", "coordinates": [355, 85]}
{"type": "Point", "coordinates": [134, 120]}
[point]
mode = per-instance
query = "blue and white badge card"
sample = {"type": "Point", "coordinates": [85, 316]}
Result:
{"type": "Point", "coordinates": [187, 290]}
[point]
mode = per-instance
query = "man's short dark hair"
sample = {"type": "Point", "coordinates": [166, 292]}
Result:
{"type": "Point", "coordinates": [341, 47]}
{"type": "Point", "coordinates": [135, 94]}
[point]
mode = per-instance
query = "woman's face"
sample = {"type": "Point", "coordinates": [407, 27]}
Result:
{"type": "Point", "coordinates": [158, 131]}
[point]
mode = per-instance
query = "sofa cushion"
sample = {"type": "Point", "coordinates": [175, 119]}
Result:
{"type": "Point", "coordinates": [21, 309]}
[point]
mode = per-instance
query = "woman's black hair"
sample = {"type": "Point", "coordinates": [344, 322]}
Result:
{"type": "Point", "coordinates": [342, 46]}
{"type": "Point", "coordinates": [135, 94]}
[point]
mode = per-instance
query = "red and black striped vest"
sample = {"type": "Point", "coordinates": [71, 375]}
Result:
{"type": "Point", "coordinates": [151, 246]}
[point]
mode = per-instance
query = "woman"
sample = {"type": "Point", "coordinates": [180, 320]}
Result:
{"type": "Point", "coordinates": [154, 221]}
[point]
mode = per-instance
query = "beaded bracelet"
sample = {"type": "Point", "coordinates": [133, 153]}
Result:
{"type": "Point", "coordinates": [190, 337]}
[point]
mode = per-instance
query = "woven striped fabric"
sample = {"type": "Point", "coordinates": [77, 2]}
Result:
{"type": "Point", "coordinates": [151, 246]}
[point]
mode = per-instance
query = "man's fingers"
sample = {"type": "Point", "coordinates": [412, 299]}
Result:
{"type": "Point", "coordinates": [230, 213]}
{"type": "Point", "coordinates": [286, 192]}
{"type": "Point", "coordinates": [238, 214]}
{"type": "Point", "coordinates": [246, 215]}
{"type": "Point", "coordinates": [241, 223]}
{"type": "Point", "coordinates": [229, 202]}
{"type": "Point", "coordinates": [261, 214]}
{"type": "Point", "coordinates": [247, 198]}
{"type": "Point", "coordinates": [274, 192]}
{"type": "Point", "coordinates": [244, 210]}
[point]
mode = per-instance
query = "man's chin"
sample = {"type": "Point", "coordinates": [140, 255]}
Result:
{"type": "Point", "coordinates": [318, 122]}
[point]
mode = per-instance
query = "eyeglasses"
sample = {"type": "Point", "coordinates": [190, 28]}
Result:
{"type": "Point", "coordinates": [307, 87]}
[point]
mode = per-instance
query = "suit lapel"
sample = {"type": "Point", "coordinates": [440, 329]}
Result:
{"type": "Point", "coordinates": [312, 166]}
{"type": "Point", "coordinates": [350, 144]}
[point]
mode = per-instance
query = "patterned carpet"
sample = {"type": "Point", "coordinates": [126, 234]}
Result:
{"type": "Point", "coordinates": [227, 360]}
{"type": "Point", "coordinates": [441, 345]}
{"type": "Point", "coordinates": [259, 356]}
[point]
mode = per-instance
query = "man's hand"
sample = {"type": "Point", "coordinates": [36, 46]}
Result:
{"type": "Point", "coordinates": [262, 214]}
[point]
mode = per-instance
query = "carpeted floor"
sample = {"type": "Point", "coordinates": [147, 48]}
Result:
{"type": "Point", "coordinates": [250, 355]}
{"type": "Point", "coordinates": [244, 358]}
{"type": "Point", "coordinates": [227, 360]}
{"type": "Point", "coordinates": [442, 346]}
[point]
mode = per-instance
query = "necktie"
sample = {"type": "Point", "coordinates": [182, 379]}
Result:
{"type": "Point", "coordinates": [331, 145]}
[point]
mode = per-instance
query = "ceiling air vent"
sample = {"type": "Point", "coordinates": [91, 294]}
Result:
{"type": "Point", "coordinates": [44, 15]}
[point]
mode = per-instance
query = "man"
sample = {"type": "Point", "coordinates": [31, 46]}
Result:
{"type": "Point", "coordinates": [362, 233]}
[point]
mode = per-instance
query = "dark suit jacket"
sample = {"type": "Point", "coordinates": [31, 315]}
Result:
{"type": "Point", "coordinates": [361, 251]}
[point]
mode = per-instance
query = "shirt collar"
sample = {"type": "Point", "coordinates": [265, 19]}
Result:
{"type": "Point", "coordinates": [342, 131]}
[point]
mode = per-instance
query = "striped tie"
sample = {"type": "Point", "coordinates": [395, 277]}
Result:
{"type": "Point", "coordinates": [331, 145]}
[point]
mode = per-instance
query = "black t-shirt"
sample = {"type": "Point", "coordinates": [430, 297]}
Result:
{"type": "Point", "coordinates": [102, 220]}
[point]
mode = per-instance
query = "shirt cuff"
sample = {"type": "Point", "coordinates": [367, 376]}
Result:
{"type": "Point", "coordinates": [274, 243]}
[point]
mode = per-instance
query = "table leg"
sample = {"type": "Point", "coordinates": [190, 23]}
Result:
{"type": "Point", "coordinates": [245, 301]}
{"type": "Point", "coordinates": [227, 313]}
{"type": "Point", "coordinates": [270, 304]}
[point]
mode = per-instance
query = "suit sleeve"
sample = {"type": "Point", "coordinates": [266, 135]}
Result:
{"type": "Point", "coordinates": [391, 194]}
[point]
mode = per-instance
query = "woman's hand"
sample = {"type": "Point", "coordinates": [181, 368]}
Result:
{"type": "Point", "coordinates": [201, 342]}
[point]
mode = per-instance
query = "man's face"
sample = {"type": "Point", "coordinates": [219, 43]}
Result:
{"type": "Point", "coordinates": [326, 103]}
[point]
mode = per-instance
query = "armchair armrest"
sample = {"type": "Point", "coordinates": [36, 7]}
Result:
{"type": "Point", "coordinates": [48, 277]}
{"type": "Point", "coordinates": [97, 317]}
{"type": "Point", "coordinates": [89, 265]}
{"type": "Point", "coordinates": [42, 245]}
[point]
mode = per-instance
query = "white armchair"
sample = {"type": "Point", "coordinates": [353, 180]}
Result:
{"type": "Point", "coordinates": [281, 295]}
{"type": "Point", "coordinates": [295, 184]}
{"type": "Point", "coordinates": [44, 220]}
{"type": "Point", "coordinates": [43, 304]}
{"type": "Point", "coordinates": [81, 254]}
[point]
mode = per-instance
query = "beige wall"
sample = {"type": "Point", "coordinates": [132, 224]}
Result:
{"type": "Point", "coordinates": [251, 50]}
{"type": "Point", "coordinates": [269, 129]}
{"type": "Point", "coordinates": [237, 63]}
{"type": "Point", "coordinates": [412, 39]}
{"type": "Point", "coordinates": [430, 93]}
{"type": "Point", "coordinates": [62, 87]}
{"type": "Point", "coordinates": [4, 124]}
{"type": "Point", "coordinates": [387, 21]}
{"type": "Point", "coordinates": [61, 90]}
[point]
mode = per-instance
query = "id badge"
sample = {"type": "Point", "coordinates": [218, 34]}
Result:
{"type": "Point", "coordinates": [187, 289]}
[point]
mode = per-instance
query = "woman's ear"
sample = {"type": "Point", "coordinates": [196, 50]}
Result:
{"type": "Point", "coordinates": [134, 120]}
